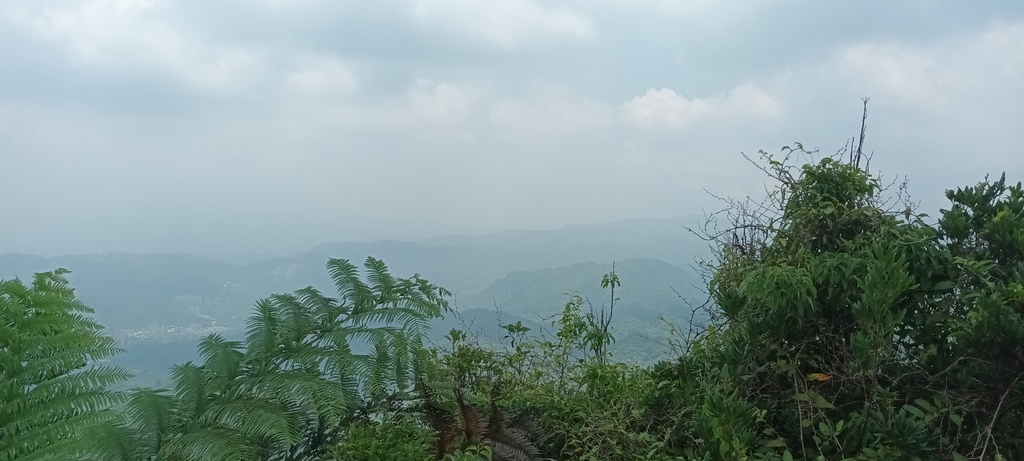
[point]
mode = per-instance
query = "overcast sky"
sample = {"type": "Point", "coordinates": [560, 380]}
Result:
{"type": "Point", "coordinates": [274, 125]}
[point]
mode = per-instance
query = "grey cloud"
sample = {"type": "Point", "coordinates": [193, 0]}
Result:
{"type": "Point", "coordinates": [316, 121]}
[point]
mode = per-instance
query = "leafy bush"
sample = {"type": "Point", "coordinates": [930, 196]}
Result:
{"type": "Point", "coordinates": [855, 332]}
{"type": "Point", "coordinates": [583, 405]}
{"type": "Point", "coordinates": [399, 437]}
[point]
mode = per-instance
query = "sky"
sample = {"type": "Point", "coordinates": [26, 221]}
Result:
{"type": "Point", "coordinates": [270, 126]}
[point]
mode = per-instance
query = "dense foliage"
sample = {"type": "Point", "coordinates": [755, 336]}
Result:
{"type": "Point", "coordinates": [54, 391]}
{"type": "Point", "coordinates": [853, 333]}
{"type": "Point", "coordinates": [846, 327]}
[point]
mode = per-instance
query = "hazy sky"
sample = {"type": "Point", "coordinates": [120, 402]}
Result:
{"type": "Point", "coordinates": [273, 125]}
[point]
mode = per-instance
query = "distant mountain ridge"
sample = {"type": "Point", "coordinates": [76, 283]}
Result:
{"type": "Point", "coordinates": [657, 238]}
{"type": "Point", "coordinates": [151, 298]}
{"type": "Point", "coordinates": [135, 290]}
{"type": "Point", "coordinates": [647, 284]}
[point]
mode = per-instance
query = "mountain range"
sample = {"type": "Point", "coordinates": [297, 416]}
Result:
{"type": "Point", "coordinates": [146, 299]}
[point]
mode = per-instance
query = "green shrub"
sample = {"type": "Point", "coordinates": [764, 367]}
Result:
{"type": "Point", "coordinates": [399, 437]}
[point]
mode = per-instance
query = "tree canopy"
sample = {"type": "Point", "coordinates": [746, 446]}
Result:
{"type": "Point", "coordinates": [852, 331]}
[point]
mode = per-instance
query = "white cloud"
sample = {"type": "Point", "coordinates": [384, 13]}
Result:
{"type": "Point", "coordinates": [426, 109]}
{"type": "Point", "coordinates": [550, 115]}
{"type": "Point", "coordinates": [896, 72]}
{"type": "Point", "coordinates": [704, 8]}
{"type": "Point", "coordinates": [120, 33]}
{"type": "Point", "coordinates": [944, 112]}
{"type": "Point", "coordinates": [441, 103]}
{"type": "Point", "coordinates": [665, 109]}
{"type": "Point", "coordinates": [946, 76]}
{"type": "Point", "coordinates": [322, 76]}
{"type": "Point", "coordinates": [88, 28]}
{"type": "Point", "coordinates": [505, 22]}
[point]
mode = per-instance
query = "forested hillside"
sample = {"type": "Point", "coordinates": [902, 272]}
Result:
{"type": "Point", "coordinates": [157, 305]}
{"type": "Point", "coordinates": [845, 326]}
{"type": "Point", "coordinates": [654, 296]}
{"type": "Point", "coordinates": [132, 291]}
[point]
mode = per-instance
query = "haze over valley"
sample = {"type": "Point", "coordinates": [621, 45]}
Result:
{"type": "Point", "coordinates": [158, 305]}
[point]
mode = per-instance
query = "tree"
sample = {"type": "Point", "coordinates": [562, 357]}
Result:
{"type": "Point", "coordinates": [54, 391]}
{"type": "Point", "coordinates": [289, 390]}
{"type": "Point", "coordinates": [855, 330]}
{"type": "Point", "coordinates": [981, 301]}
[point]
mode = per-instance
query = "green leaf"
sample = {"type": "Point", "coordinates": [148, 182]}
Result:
{"type": "Point", "coordinates": [926, 406]}
{"type": "Point", "coordinates": [914, 410]}
{"type": "Point", "coordinates": [944, 285]}
{"type": "Point", "coordinates": [820, 401]}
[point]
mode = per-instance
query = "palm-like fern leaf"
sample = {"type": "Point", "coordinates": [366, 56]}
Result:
{"type": "Point", "coordinates": [346, 279]}
{"type": "Point", "coordinates": [150, 413]}
{"type": "Point", "coordinates": [53, 390]}
{"type": "Point", "coordinates": [212, 444]}
{"type": "Point", "coordinates": [288, 389]}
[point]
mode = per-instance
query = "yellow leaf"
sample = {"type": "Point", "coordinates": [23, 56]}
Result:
{"type": "Point", "coordinates": [818, 377]}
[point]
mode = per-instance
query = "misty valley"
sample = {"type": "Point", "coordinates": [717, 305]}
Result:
{"type": "Point", "coordinates": [158, 305]}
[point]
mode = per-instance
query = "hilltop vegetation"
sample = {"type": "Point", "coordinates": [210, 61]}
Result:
{"type": "Point", "coordinates": [846, 327]}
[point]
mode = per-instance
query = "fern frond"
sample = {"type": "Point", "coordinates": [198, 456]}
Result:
{"type": "Point", "coordinates": [115, 442]}
{"type": "Point", "coordinates": [210, 444]}
{"type": "Point", "coordinates": [296, 321]}
{"type": "Point", "coordinates": [49, 401]}
{"type": "Point", "coordinates": [322, 308]}
{"type": "Point", "coordinates": [190, 392]}
{"type": "Point", "coordinates": [346, 279]}
{"type": "Point", "coordinates": [382, 283]}
{"type": "Point", "coordinates": [287, 390]}
{"type": "Point", "coordinates": [305, 392]}
{"type": "Point", "coordinates": [445, 426]}
{"type": "Point", "coordinates": [381, 366]}
{"type": "Point", "coordinates": [401, 361]}
{"type": "Point", "coordinates": [389, 316]}
{"type": "Point", "coordinates": [76, 392]}
{"type": "Point", "coordinates": [474, 422]}
{"type": "Point", "coordinates": [256, 419]}
{"type": "Point", "coordinates": [513, 445]}
{"type": "Point", "coordinates": [148, 415]}
{"type": "Point", "coordinates": [221, 358]}
{"type": "Point", "coordinates": [54, 436]}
